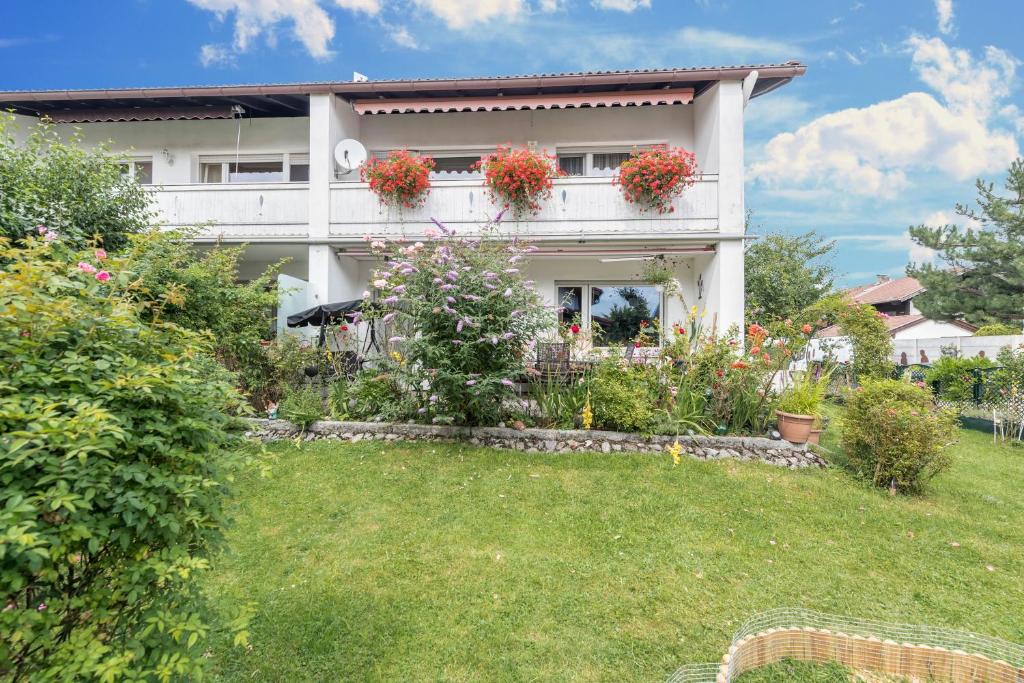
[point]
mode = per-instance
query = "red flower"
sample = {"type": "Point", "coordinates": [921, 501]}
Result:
{"type": "Point", "coordinates": [402, 179]}
{"type": "Point", "coordinates": [654, 178]}
{"type": "Point", "coordinates": [344, 328]}
{"type": "Point", "coordinates": [574, 328]}
{"type": "Point", "coordinates": [680, 330]}
{"type": "Point", "coordinates": [806, 329]}
{"type": "Point", "coordinates": [636, 345]}
{"type": "Point", "coordinates": [739, 365]}
{"type": "Point", "coordinates": [719, 373]}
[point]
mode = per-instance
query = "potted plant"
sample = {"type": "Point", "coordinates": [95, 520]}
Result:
{"type": "Point", "coordinates": [799, 407]}
{"type": "Point", "coordinates": [654, 177]}
{"type": "Point", "coordinates": [519, 178]}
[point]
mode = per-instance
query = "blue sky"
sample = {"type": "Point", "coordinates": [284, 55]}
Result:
{"type": "Point", "coordinates": [904, 103]}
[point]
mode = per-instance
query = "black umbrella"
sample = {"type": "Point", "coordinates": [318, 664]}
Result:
{"type": "Point", "coordinates": [324, 314]}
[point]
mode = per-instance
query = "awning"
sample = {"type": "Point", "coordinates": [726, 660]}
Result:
{"type": "Point", "coordinates": [515, 102]}
{"type": "Point", "coordinates": [134, 114]}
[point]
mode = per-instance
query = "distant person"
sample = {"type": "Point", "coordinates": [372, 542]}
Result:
{"type": "Point", "coordinates": [981, 354]}
{"type": "Point", "coordinates": [903, 359]}
{"type": "Point", "coordinates": [924, 358]}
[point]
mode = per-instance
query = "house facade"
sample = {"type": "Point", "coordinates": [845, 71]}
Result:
{"type": "Point", "coordinates": [255, 164]}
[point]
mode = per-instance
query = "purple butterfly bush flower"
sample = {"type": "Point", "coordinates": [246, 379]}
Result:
{"type": "Point", "coordinates": [433, 398]}
{"type": "Point", "coordinates": [449, 310]}
{"type": "Point", "coordinates": [511, 271]}
{"type": "Point", "coordinates": [390, 316]}
{"type": "Point", "coordinates": [396, 339]}
{"type": "Point", "coordinates": [446, 288]}
{"type": "Point", "coordinates": [494, 341]}
{"type": "Point", "coordinates": [391, 300]}
{"type": "Point", "coordinates": [508, 335]}
{"type": "Point", "coordinates": [421, 410]}
{"type": "Point", "coordinates": [488, 285]}
{"type": "Point", "coordinates": [452, 275]}
{"type": "Point", "coordinates": [508, 292]}
{"type": "Point", "coordinates": [400, 289]}
{"type": "Point", "coordinates": [450, 299]}
{"type": "Point", "coordinates": [437, 280]}
{"type": "Point", "coordinates": [459, 325]}
{"type": "Point", "coordinates": [508, 383]}
{"type": "Point", "coordinates": [515, 314]}
{"type": "Point", "coordinates": [470, 382]}
{"type": "Point", "coordinates": [471, 297]}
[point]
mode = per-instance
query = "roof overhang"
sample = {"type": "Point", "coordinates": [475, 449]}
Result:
{"type": "Point", "coordinates": [516, 102]}
{"type": "Point", "coordinates": [292, 99]}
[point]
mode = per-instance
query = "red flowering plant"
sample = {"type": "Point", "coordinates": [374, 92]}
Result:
{"type": "Point", "coordinates": [653, 178]}
{"type": "Point", "coordinates": [402, 179]}
{"type": "Point", "coordinates": [519, 179]}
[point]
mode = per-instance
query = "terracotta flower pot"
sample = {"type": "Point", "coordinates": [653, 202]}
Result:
{"type": "Point", "coordinates": [814, 436]}
{"type": "Point", "coordinates": [795, 428]}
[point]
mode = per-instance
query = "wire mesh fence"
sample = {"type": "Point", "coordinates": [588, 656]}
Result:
{"type": "Point", "coordinates": [918, 651]}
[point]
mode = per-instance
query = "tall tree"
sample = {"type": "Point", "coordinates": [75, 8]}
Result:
{"type": "Point", "coordinates": [981, 276]}
{"type": "Point", "coordinates": [785, 274]}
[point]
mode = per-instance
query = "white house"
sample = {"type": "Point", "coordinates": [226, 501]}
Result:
{"type": "Point", "coordinates": [255, 164]}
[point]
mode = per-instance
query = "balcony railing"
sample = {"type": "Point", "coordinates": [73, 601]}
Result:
{"type": "Point", "coordinates": [260, 211]}
{"type": "Point", "coordinates": [583, 207]}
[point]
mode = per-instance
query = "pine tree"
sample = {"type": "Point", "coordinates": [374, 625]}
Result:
{"type": "Point", "coordinates": [981, 277]}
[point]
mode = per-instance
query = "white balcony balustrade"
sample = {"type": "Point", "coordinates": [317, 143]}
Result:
{"type": "Point", "coordinates": [263, 211]}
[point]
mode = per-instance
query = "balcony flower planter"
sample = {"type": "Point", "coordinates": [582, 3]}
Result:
{"type": "Point", "coordinates": [519, 179]}
{"type": "Point", "coordinates": [653, 178]}
{"type": "Point", "coordinates": [401, 180]}
{"type": "Point", "coordinates": [795, 428]}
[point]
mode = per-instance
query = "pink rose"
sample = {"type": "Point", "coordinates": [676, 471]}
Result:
{"type": "Point", "coordinates": [103, 276]}
{"type": "Point", "coordinates": [86, 267]}
{"type": "Point", "coordinates": [100, 254]}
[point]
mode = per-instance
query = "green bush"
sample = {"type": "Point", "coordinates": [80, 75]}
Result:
{"type": "Point", "coordinates": [302, 406]}
{"type": "Point", "coordinates": [81, 193]}
{"type": "Point", "coordinates": [996, 330]}
{"type": "Point", "coordinates": [894, 436]}
{"type": "Point", "coordinates": [955, 377]}
{"type": "Point", "coordinates": [375, 394]}
{"type": "Point", "coordinates": [623, 397]}
{"type": "Point", "coordinates": [116, 455]}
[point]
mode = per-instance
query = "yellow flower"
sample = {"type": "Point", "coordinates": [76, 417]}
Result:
{"type": "Point", "coordinates": [396, 356]}
{"type": "Point", "coordinates": [676, 450]}
{"type": "Point", "coordinates": [588, 414]}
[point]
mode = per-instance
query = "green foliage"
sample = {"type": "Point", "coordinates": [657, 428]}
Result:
{"type": "Point", "coordinates": [865, 327]}
{"type": "Point", "coordinates": [623, 396]}
{"type": "Point", "coordinates": [894, 436]}
{"type": "Point", "coordinates": [465, 318]}
{"type": "Point", "coordinates": [805, 395]}
{"type": "Point", "coordinates": [1008, 381]}
{"type": "Point", "coordinates": [979, 275]}
{"type": "Point", "coordinates": [202, 291]}
{"type": "Point", "coordinates": [788, 670]}
{"type": "Point", "coordinates": [82, 194]}
{"type": "Point", "coordinates": [997, 330]}
{"type": "Point", "coordinates": [302, 406]}
{"type": "Point", "coordinates": [956, 377]}
{"type": "Point", "coordinates": [115, 459]}
{"type": "Point", "coordinates": [784, 274]}
{"type": "Point", "coordinates": [289, 355]}
{"type": "Point", "coordinates": [558, 400]}
{"type": "Point", "coordinates": [375, 394]}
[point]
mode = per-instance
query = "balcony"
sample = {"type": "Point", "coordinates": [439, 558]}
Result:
{"type": "Point", "coordinates": [578, 208]}
{"type": "Point", "coordinates": [264, 211]}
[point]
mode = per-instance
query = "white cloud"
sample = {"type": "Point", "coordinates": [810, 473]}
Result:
{"type": "Point", "coordinates": [622, 5]}
{"type": "Point", "coordinates": [852, 58]}
{"type": "Point", "coordinates": [870, 151]}
{"type": "Point", "coordinates": [215, 55]}
{"type": "Point", "coordinates": [944, 15]}
{"type": "Point", "coordinates": [700, 39]}
{"type": "Point", "coordinates": [401, 36]}
{"type": "Point", "coordinates": [371, 7]}
{"type": "Point", "coordinates": [459, 14]}
{"type": "Point", "coordinates": [891, 243]}
{"type": "Point", "coordinates": [310, 23]}
{"type": "Point", "coordinates": [779, 110]}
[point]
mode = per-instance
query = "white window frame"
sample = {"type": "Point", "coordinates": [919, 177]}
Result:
{"type": "Point", "coordinates": [130, 162]}
{"type": "Point", "coordinates": [588, 151]}
{"type": "Point", "coordinates": [225, 160]}
{"type": "Point", "coordinates": [586, 293]}
{"type": "Point", "coordinates": [441, 153]}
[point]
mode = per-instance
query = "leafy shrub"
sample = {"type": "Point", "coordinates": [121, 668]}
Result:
{"type": "Point", "coordinates": [464, 317]}
{"type": "Point", "coordinates": [375, 394]}
{"type": "Point", "coordinates": [955, 377]}
{"type": "Point", "coordinates": [80, 193]}
{"type": "Point", "coordinates": [115, 459]}
{"type": "Point", "coordinates": [623, 397]}
{"type": "Point", "coordinates": [894, 435]}
{"type": "Point", "coordinates": [996, 330]}
{"type": "Point", "coordinates": [804, 396]}
{"type": "Point", "coordinates": [302, 406]}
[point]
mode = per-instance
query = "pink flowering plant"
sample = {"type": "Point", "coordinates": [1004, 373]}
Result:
{"type": "Point", "coordinates": [461, 317]}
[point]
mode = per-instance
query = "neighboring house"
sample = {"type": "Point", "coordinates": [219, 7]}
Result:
{"type": "Point", "coordinates": [255, 164]}
{"type": "Point", "coordinates": [895, 298]}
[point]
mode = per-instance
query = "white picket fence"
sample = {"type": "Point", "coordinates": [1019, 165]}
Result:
{"type": "Point", "coordinates": [839, 349]}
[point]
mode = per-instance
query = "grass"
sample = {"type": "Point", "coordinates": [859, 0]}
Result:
{"type": "Point", "coordinates": [791, 670]}
{"type": "Point", "coordinates": [431, 562]}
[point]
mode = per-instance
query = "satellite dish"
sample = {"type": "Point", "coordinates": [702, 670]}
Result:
{"type": "Point", "coordinates": [350, 155]}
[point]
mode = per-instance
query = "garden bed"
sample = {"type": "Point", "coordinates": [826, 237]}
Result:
{"type": "Point", "coordinates": [770, 451]}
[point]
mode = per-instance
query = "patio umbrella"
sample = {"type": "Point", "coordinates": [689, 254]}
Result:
{"type": "Point", "coordinates": [323, 315]}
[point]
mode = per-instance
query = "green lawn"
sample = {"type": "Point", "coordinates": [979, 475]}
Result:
{"type": "Point", "coordinates": [428, 562]}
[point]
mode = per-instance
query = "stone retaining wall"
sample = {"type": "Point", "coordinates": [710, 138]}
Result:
{"type": "Point", "coordinates": [781, 453]}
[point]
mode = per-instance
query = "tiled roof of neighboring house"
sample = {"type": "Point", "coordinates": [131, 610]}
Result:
{"type": "Point", "coordinates": [901, 289]}
{"type": "Point", "coordinates": [895, 323]}
{"type": "Point", "coordinates": [291, 99]}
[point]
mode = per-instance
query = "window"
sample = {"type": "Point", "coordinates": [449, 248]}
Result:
{"type": "Point", "coordinates": [602, 163]}
{"type": "Point", "coordinates": [140, 169]}
{"type": "Point", "coordinates": [263, 168]}
{"type": "Point", "coordinates": [613, 312]}
{"type": "Point", "coordinates": [448, 165]}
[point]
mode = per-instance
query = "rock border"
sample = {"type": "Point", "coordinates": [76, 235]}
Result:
{"type": "Point", "coordinates": [769, 451]}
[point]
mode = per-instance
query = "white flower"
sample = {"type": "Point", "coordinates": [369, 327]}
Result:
{"type": "Point", "coordinates": [366, 294]}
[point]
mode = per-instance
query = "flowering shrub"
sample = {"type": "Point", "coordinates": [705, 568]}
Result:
{"type": "Point", "coordinates": [894, 436]}
{"type": "Point", "coordinates": [115, 455]}
{"type": "Point", "coordinates": [402, 179]}
{"type": "Point", "coordinates": [464, 317]}
{"type": "Point", "coordinates": [654, 177]}
{"type": "Point", "coordinates": [518, 178]}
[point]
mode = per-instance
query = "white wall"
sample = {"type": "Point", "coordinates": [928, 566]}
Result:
{"type": "Point", "coordinates": [186, 140]}
{"type": "Point", "coordinates": [548, 128]}
{"type": "Point", "coordinates": [932, 329]}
